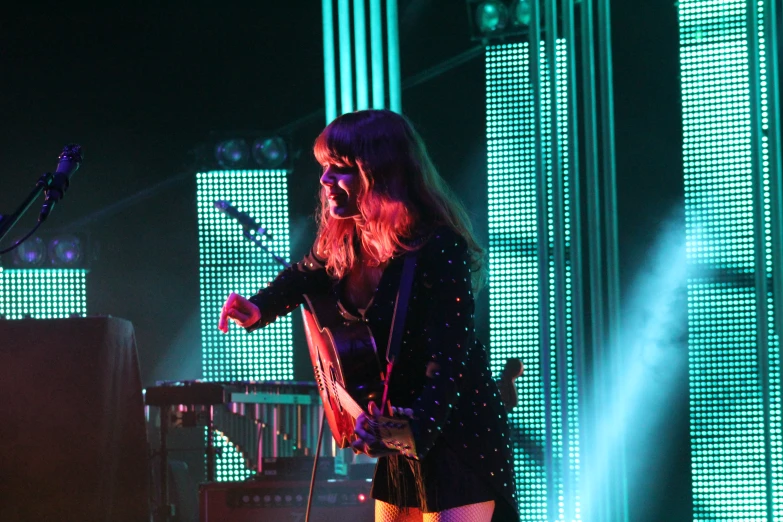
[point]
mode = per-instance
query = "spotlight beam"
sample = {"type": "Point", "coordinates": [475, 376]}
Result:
{"type": "Point", "coordinates": [652, 337]}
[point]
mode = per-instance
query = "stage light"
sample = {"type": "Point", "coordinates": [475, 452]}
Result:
{"type": "Point", "coordinates": [31, 253]}
{"type": "Point", "coordinates": [491, 17]}
{"type": "Point", "coordinates": [55, 251]}
{"type": "Point", "coordinates": [270, 153]}
{"type": "Point", "coordinates": [240, 150]}
{"type": "Point", "coordinates": [232, 153]}
{"type": "Point", "coordinates": [500, 20]}
{"type": "Point", "coordinates": [66, 251]}
{"type": "Point", "coordinates": [522, 12]}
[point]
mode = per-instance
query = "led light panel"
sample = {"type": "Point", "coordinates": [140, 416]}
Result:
{"type": "Point", "coordinates": [231, 263]}
{"type": "Point", "coordinates": [43, 293]}
{"type": "Point", "coordinates": [230, 465]}
{"type": "Point", "coordinates": [513, 265]}
{"type": "Point", "coordinates": [734, 401]}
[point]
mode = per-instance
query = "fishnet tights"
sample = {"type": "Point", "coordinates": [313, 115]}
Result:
{"type": "Point", "coordinates": [481, 512]}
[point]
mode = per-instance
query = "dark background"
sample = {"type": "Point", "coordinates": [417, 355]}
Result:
{"type": "Point", "coordinates": [139, 87]}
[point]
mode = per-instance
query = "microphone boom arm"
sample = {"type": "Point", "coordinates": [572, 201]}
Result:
{"type": "Point", "coordinates": [54, 184]}
{"type": "Point", "coordinates": [257, 242]}
{"type": "Point", "coordinates": [7, 222]}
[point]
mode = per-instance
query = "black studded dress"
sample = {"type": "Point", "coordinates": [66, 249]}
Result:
{"type": "Point", "coordinates": [442, 373]}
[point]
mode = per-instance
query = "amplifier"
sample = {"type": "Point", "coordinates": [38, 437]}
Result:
{"type": "Point", "coordinates": [285, 501]}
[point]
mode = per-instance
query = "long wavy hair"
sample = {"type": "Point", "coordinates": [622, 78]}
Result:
{"type": "Point", "coordinates": [401, 197]}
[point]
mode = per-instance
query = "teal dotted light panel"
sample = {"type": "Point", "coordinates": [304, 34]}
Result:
{"type": "Point", "coordinates": [43, 293]}
{"type": "Point", "coordinates": [734, 373]}
{"type": "Point", "coordinates": [228, 262]}
{"type": "Point", "coordinates": [514, 291]}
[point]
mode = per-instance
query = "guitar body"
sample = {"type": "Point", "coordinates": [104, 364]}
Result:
{"type": "Point", "coordinates": [345, 362]}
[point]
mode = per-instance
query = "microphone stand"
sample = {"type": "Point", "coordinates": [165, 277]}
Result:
{"type": "Point", "coordinates": [257, 242]}
{"type": "Point", "coordinates": [7, 222]}
{"type": "Point", "coordinates": [55, 186]}
{"type": "Point", "coordinates": [253, 239]}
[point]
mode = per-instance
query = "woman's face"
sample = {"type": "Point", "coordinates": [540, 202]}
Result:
{"type": "Point", "coordinates": [342, 185]}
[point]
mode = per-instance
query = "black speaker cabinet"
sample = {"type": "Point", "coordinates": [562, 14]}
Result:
{"type": "Point", "coordinates": [270, 500]}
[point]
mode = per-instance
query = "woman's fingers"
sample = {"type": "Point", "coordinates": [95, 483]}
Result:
{"type": "Point", "coordinates": [368, 442]}
{"type": "Point", "coordinates": [240, 310]}
{"type": "Point", "coordinates": [376, 449]}
{"type": "Point", "coordinates": [358, 446]}
{"type": "Point", "coordinates": [223, 321]}
{"type": "Point", "coordinates": [363, 430]}
{"type": "Point", "coordinates": [373, 409]}
{"type": "Point", "coordinates": [225, 312]}
{"type": "Point", "coordinates": [407, 412]}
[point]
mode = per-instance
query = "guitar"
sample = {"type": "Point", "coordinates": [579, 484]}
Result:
{"type": "Point", "coordinates": [346, 364]}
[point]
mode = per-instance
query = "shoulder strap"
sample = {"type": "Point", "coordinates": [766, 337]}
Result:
{"type": "Point", "coordinates": [401, 307]}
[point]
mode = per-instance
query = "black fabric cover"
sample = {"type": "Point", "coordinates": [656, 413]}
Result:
{"type": "Point", "coordinates": [72, 428]}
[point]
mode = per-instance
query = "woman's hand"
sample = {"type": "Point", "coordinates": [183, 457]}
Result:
{"type": "Point", "coordinates": [368, 441]}
{"type": "Point", "coordinates": [239, 310]}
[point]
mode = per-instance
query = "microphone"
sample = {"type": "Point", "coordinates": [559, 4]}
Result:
{"type": "Point", "coordinates": [70, 160]}
{"type": "Point", "coordinates": [246, 221]}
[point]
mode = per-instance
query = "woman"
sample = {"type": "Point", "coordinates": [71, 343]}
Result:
{"type": "Point", "coordinates": [382, 199]}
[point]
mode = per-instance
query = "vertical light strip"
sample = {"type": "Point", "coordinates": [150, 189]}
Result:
{"type": "Point", "coordinates": [598, 504]}
{"type": "Point", "coordinates": [617, 367]}
{"type": "Point", "coordinates": [773, 176]}
{"type": "Point", "coordinates": [376, 49]}
{"type": "Point", "coordinates": [734, 373]}
{"type": "Point", "coordinates": [558, 219]}
{"type": "Point", "coordinates": [771, 263]}
{"type": "Point", "coordinates": [766, 346]}
{"type": "Point", "coordinates": [575, 285]}
{"type": "Point", "coordinates": [382, 74]}
{"type": "Point", "coordinates": [393, 50]}
{"type": "Point", "coordinates": [565, 412]}
{"type": "Point", "coordinates": [330, 81]}
{"type": "Point", "coordinates": [360, 47]}
{"type": "Point", "coordinates": [43, 293]}
{"type": "Point", "coordinates": [513, 260]}
{"type": "Point", "coordinates": [775, 152]}
{"type": "Point", "coordinates": [515, 294]}
{"type": "Point", "coordinates": [346, 61]}
{"type": "Point", "coordinates": [537, 79]}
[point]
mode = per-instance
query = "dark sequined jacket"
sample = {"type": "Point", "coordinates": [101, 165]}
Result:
{"type": "Point", "coordinates": [442, 372]}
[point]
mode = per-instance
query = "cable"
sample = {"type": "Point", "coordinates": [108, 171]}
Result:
{"type": "Point", "coordinates": [442, 67]}
{"type": "Point", "coordinates": [315, 465]}
{"type": "Point", "coordinates": [38, 224]}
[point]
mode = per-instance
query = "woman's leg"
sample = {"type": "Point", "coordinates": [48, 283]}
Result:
{"type": "Point", "coordinates": [385, 512]}
{"type": "Point", "coordinates": [480, 512]}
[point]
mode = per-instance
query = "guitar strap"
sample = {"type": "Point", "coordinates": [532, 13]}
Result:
{"type": "Point", "coordinates": [398, 319]}
{"type": "Point", "coordinates": [401, 306]}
